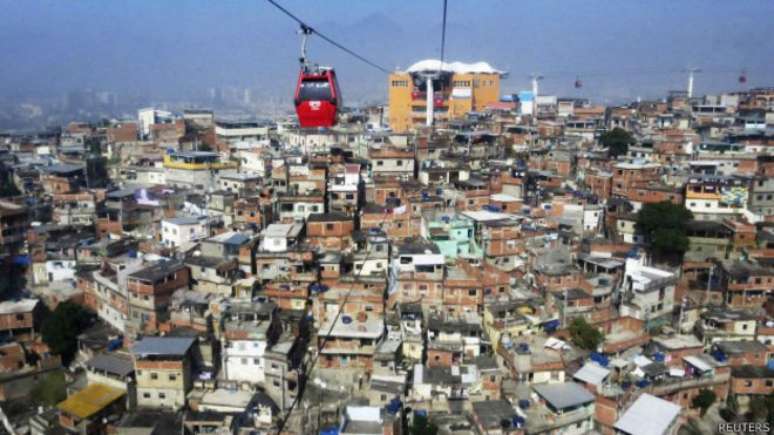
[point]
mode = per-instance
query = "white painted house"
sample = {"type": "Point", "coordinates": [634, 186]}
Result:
{"type": "Point", "coordinates": [648, 292]}
{"type": "Point", "coordinates": [181, 231]}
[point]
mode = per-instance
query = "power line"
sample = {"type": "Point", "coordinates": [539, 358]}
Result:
{"type": "Point", "coordinates": [325, 38]}
{"type": "Point", "coordinates": [327, 336]}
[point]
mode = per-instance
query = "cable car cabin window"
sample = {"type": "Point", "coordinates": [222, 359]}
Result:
{"type": "Point", "coordinates": [315, 90]}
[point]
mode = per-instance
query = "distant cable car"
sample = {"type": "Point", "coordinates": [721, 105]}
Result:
{"type": "Point", "coordinates": [317, 98]}
{"type": "Point", "coordinates": [438, 100]}
{"type": "Point", "coordinates": [578, 83]}
{"type": "Point", "coordinates": [743, 77]}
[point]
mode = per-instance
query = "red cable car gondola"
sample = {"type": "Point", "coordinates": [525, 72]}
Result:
{"type": "Point", "coordinates": [317, 98]}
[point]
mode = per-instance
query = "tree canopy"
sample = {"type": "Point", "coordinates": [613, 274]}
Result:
{"type": "Point", "coordinates": [422, 426]}
{"type": "Point", "coordinates": [7, 186]}
{"type": "Point", "coordinates": [704, 400]}
{"type": "Point", "coordinates": [61, 328]}
{"type": "Point", "coordinates": [96, 168]}
{"type": "Point", "coordinates": [617, 141]}
{"type": "Point", "coordinates": [584, 335]}
{"type": "Point", "coordinates": [664, 225]}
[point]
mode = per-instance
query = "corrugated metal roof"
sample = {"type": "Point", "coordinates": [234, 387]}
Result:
{"type": "Point", "coordinates": [649, 415]}
{"type": "Point", "coordinates": [160, 346]}
{"type": "Point", "coordinates": [111, 363]}
{"type": "Point", "coordinates": [565, 395]}
{"type": "Point", "coordinates": [592, 373]}
{"type": "Point", "coordinates": [90, 400]}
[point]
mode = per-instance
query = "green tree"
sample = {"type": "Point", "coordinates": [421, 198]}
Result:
{"type": "Point", "coordinates": [7, 186]}
{"type": "Point", "coordinates": [617, 141]}
{"type": "Point", "coordinates": [61, 328]}
{"type": "Point", "coordinates": [762, 408]}
{"type": "Point", "coordinates": [704, 400]}
{"type": "Point", "coordinates": [422, 426]}
{"type": "Point", "coordinates": [14, 279]}
{"type": "Point", "coordinates": [50, 390]}
{"type": "Point", "coordinates": [584, 335]}
{"type": "Point", "coordinates": [664, 225]}
{"type": "Point", "coordinates": [96, 171]}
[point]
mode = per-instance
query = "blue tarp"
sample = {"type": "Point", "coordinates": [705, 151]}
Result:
{"type": "Point", "coordinates": [394, 406]}
{"type": "Point", "coordinates": [551, 325]}
{"type": "Point", "coordinates": [22, 260]}
{"type": "Point", "coordinates": [115, 344]}
{"type": "Point", "coordinates": [599, 359]}
{"type": "Point", "coordinates": [317, 287]}
{"type": "Point", "coordinates": [330, 431]}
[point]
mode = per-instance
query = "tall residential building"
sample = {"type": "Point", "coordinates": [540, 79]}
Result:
{"type": "Point", "coordinates": [458, 88]}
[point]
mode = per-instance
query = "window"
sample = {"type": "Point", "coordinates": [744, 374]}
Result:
{"type": "Point", "coordinates": [472, 292]}
{"type": "Point", "coordinates": [399, 163]}
{"type": "Point", "coordinates": [162, 396]}
{"type": "Point", "coordinates": [380, 163]}
{"type": "Point", "coordinates": [20, 317]}
{"type": "Point", "coordinates": [172, 377]}
{"type": "Point", "coordinates": [256, 361]}
{"type": "Point", "coordinates": [146, 395]}
{"type": "Point", "coordinates": [329, 227]}
{"type": "Point", "coordinates": [154, 376]}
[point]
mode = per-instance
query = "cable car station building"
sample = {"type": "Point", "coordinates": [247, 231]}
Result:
{"type": "Point", "coordinates": [457, 88]}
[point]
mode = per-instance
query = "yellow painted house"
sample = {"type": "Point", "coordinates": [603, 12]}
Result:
{"type": "Point", "coordinates": [459, 88]}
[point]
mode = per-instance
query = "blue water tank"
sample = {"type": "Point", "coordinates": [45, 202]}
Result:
{"type": "Point", "coordinates": [346, 320]}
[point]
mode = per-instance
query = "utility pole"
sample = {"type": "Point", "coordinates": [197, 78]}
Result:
{"type": "Point", "coordinates": [535, 78]}
{"type": "Point", "coordinates": [429, 96]}
{"type": "Point", "coordinates": [691, 72]}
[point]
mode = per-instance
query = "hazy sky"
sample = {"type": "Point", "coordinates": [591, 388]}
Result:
{"type": "Point", "coordinates": [619, 48]}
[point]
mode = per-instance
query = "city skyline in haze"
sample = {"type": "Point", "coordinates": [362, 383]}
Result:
{"type": "Point", "coordinates": [168, 50]}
